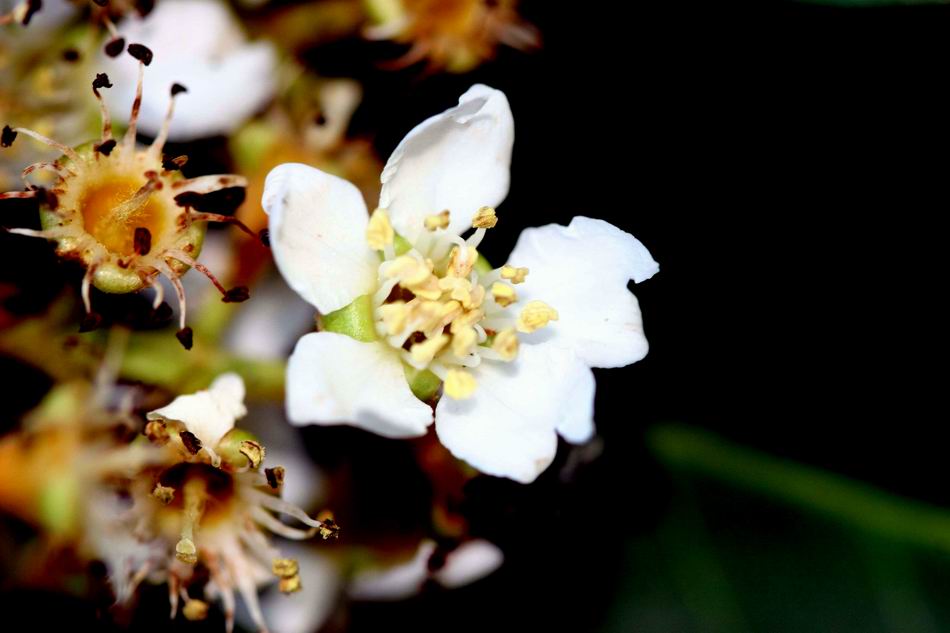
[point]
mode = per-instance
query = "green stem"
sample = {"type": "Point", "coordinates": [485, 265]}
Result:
{"type": "Point", "coordinates": [839, 498]}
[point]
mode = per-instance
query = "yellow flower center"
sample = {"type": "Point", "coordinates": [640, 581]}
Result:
{"type": "Point", "coordinates": [111, 213]}
{"type": "Point", "coordinates": [439, 306]}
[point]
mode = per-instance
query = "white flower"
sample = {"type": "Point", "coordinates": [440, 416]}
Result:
{"type": "Point", "coordinates": [200, 45]}
{"type": "Point", "coordinates": [512, 346]}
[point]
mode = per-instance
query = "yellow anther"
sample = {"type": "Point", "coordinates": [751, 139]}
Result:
{"type": "Point", "coordinates": [165, 494]}
{"type": "Point", "coordinates": [485, 218]}
{"type": "Point", "coordinates": [395, 316]}
{"type": "Point", "coordinates": [427, 289]}
{"type": "Point", "coordinates": [535, 316]}
{"type": "Point", "coordinates": [506, 344]}
{"type": "Point", "coordinates": [463, 341]}
{"type": "Point", "coordinates": [449, 311]}
{"type": "Point", "coordinates": [290, 585]}
{"type": "Point", "coordinates": [459, 384]}
{"type": "Point", "coordinates": [254, 453]}
{"type": "Point", "coordinates": [408, 270]}
{"type": "Point", "coordinates": [285, 567]}
{"type": "Point", "coordinates": [424, 315]}
{"type": "Point", "coordinates": [476, 298]}
{"type": "Point", "coordinates": [514, 275]}
{"type": "Point", "coordinates": [437, 221]}
{"type": "Point", "coordinates": [424, 352]}
{"type": "Point", "coordinates": [195, 610]}
{"type": "Point", "coordinates": [379, 232]}
{"type": "Point", "coordinates": [466, 319]}
{"type": "Point", "coordinates": [186, 552]}
{"type": "Point", "coordinates": [462, 261]}
{"type": "Point", "coordinates": [503, 293]}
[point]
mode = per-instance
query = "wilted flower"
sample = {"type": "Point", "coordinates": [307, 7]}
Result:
{"type": "Point", "coordinates": [456, 35]}
{"type": "Point", "coordinates": [208, 503]}
{"type": "Point", "coordinates": [126, 213]}
{"type": "Point", "coordinates": [198, 43]}
{"type": "Point", "coordinates": [410, 307]}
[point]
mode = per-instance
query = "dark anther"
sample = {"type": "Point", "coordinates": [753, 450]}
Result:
{"type": "Point", "coordinates": [237, 294]}
{"type": "Point", "coordinates": [264, 235]}
{"type": "Point", "coordinates": [32, 6]}
{"type": "Point", "coordinates": [191, 442]}
{"type": "Point", "coordinates": [115, 47]}
{"type": "Point", "coordinates": [142, 242]}
{"type": "Point", "coordinates": [186, 337]}
{"type": "Point", "coordinates": [275, 477]}
{"type": "Point", "coordinates": [141, 53]}
{"type": "Point", "coordinates": [101, 81]}
{"type": "Point", "coordinates": [7, 137]}
{"type": "Point", "coordinates": [144, 7]}
{"type": "Point", "coordinates": [71, 55]}
{"type": "Point", "coordinates": [92, 321]}
{"type": "Point", "coordinates": [223, 201]}
{"type": "Point", "coordinates": [105, 148]}
{"type": "Point", "coordinates": [320, 119]}
{"type": "Point", "coordinates": [174, 164]}
{"type": "Point", "coordinates": [46, 198]}
{"type": "Point", "coordinates": [101, 3]}
{"type": "Point", "coordinates": [177, 89]}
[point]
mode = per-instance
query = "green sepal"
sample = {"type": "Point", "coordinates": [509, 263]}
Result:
{"type": "Point", "coordinates": [482, 266]}
{"type": "Point", "coordinates": [355, 320]}
{"type": "Point", "coordinates": [423, 383]}
{"type": "Point", "coordinates": [59, 504]}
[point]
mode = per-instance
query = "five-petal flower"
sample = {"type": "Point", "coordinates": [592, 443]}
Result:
{"type": "Point", "coordinates": [407, 303]}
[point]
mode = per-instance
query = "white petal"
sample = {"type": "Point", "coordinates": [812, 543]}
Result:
{"type": "Point", "coordinates": [199, 44]}
{"type": "Point", "coordinates": [306, 610]}
{"type": "Point", "coordinates": [393, 582]}
{"type": "Point", "coordinates": [211, 413]}
{"type": "Point", "coordinates": [333, 379]}
{"type": "Point", "coordinates": [469, 562]}
{"type": "Point", "coordinates": [582, 271]}
{"type": "Point", "coordinates": [507, 428]}
{"type": "Point", "coordinates": [318, 235]}
{"type": "Point", "coordinates": [458, 160]}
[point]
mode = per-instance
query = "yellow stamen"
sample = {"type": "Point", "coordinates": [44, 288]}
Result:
{"type": "Point", "coordinates": [408, 270]}
{"type": "Point", "coordinates": [514, 275]}
{"type": "Point", "coordinates": [379, 232]}
{"type": "Point", "coordinates": [463, 341]}
{"type": "Point", "coordinates": [484, 218]}
{"type": "Point", "coordinates": [535, 316]}
{"type": "Point", "coordinates": [285, 567]}
{"type": "Point", "coordinates": [165, 494]}
{"type": "Point", "coordinates": [503, 293]}
{"type": "Point", "coordinates": [424, 352]}
{"type": "Point", "coordinates": [424, 315]}
{"type": "Point", "coordinates": [506, 344]}
{"type": "Point", "coordinates": [395, 316]}
{"type": "Point", "coordinates": [459, 384]}
{"type": "Point", "coordinates": [254, 453]}
{"type": "Point", "coordinates": [427, 289]}
{"type": "Point", "coordinates": [195, 610]}
{"type": "Point", "coordinates": [461, 261]}
{"type": "Point", "coordinates": [437, 221]}
{"type": "Point", "coordinates": [465, 320]}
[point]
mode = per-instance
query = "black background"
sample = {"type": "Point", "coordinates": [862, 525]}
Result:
{"type": "Point", "coordinates": [785, 164]}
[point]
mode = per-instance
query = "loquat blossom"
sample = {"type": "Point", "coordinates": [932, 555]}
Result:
{"type": "Point", "coordinates": [209, 503]}
{"type": "Point", "coordinates": [456, 35]}
{"type": "Point", "coordinates": [410, 311]}
{"type": "Point", "coordinates": [127, 213]}
{"type": "Point", "coordinates": [198, 43]}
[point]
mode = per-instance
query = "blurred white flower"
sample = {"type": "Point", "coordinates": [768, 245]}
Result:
{"type": "Point", "coordinates": [470, 561]}
{"type": "Point", "coordinates": [407, 306]}
{"type": "Point", "coordinates": [200, 45]}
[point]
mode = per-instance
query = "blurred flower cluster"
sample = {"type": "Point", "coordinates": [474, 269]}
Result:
{"type": "Point", "coordinates": [145, 140]}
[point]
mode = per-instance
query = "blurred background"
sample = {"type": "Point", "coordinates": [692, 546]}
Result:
{"type": "Point", "coordinates": [777, 462]}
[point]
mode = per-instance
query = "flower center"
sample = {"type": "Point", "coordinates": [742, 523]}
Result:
{"type": "Point", "coordinates": [111, 212]}
{"type": "Point", "coordinates": [441, 306]}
